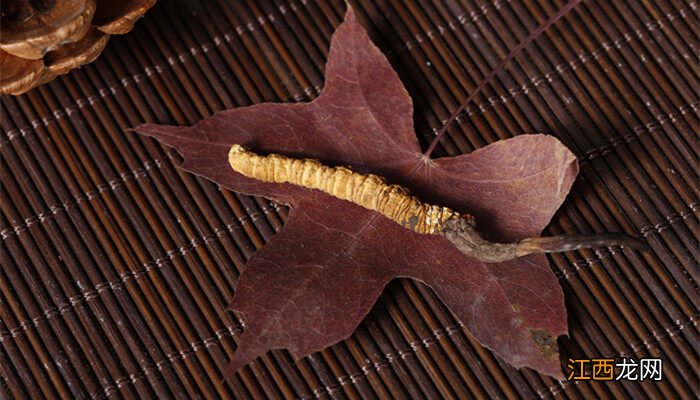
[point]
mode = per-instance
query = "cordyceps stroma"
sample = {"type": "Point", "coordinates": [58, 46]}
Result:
{"type": "Point", "coordinates": [349, 232]}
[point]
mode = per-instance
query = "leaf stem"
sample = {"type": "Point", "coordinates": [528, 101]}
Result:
{"type": "Point", "coordinates": [534, 35]}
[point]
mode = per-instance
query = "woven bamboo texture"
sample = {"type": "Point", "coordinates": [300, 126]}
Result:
{"type": "Point", "coordinates": [117, 267]}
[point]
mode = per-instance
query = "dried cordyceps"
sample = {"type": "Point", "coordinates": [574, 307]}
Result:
{"type": "Point", "coordinates": [394, 202]}
{"type": "Point", "coordinates": [313, 283]}
{"type": "Point", "coordinates": [369, 191]}
{"type": "Point", "coordinates": [41, 39]}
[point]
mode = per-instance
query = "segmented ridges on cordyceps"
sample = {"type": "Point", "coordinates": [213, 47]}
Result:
{"type": "Point", "coordinates": [369, 191]}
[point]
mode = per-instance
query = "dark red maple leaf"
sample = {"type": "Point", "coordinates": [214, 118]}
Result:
{"type": "Point", "coordinates": [316, 280]}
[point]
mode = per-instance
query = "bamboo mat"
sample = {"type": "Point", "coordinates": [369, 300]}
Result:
{"type": "Point", "coordinates": [117, 267]}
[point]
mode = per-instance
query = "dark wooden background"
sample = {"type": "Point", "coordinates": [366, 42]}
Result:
{"type": "Point", "coordinates": [117, 267]}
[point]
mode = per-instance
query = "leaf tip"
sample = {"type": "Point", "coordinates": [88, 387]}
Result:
{"type": "Point", "coordinates": [349, 11]}
{"type": "Point", "coordinates": [546, 343]}
{"type": "Point", "coordinates": [243, 356]}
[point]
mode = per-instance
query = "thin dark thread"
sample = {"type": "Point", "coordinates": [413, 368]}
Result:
{"type": "Point", "coordinates": [534, 35]}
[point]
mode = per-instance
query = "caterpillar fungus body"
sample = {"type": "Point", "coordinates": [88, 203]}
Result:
{"type": "Point", "coordinates": [395, 202]}
{"type": "Point", "coordinates": [369, 191]}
